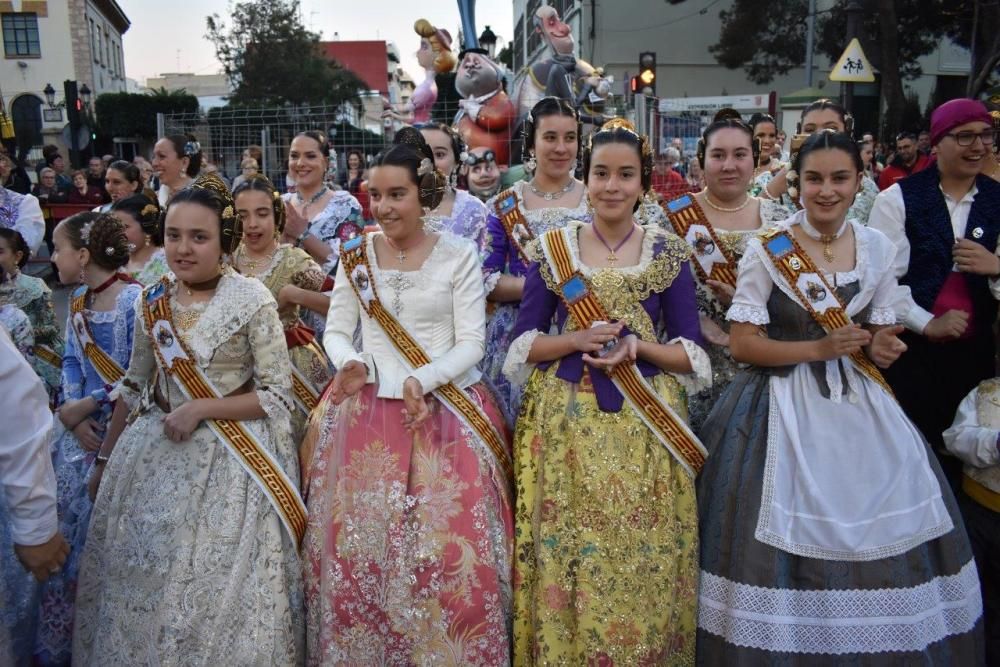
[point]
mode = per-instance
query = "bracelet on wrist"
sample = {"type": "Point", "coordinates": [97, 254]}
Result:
{"type": "Point", "coordinates": [102, 458]}
{"type": "Point", "coordinates": [300, 239]}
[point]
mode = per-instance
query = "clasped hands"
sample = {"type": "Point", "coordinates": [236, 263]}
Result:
{"type": "Point", "coordinates": [883, 347]}
{"type": "Point", "coordinates": [353, 375]}
{"type": "Point", "coordinates": [591, 341]}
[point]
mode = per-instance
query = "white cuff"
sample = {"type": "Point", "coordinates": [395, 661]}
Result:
{"type": "Point", "coordinates": [516, 366]}
{"type": "Point", "coordinates": [491, 281]}
{"type": "Point", "coordinates": [274, 405]}
{"type": "Point", "coordinates": [744, 312]}
{"type": "Point", "coordinates": [882, 316]}
{"type": "Point", "coordinates": [700, 377]}
{"type": "Point", "coordinates": [917, 319]}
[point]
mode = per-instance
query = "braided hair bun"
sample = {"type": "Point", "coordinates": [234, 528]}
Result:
{"type": "Point", "coordinates": [101, 234]}
{"type": "Point", "coordinates": [411, 151]}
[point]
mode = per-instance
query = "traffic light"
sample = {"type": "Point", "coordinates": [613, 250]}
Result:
{"type": "Point", "coordinates": [74, 105]}
{"type": "Point", "coordinates": [647, 74]}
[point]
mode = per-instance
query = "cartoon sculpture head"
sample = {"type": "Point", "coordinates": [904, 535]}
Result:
{"type": "Point", "coordinates": [481, 173]}
{"type": "Point", "coordinates": [477, 75]}
{"type": "Point", "coordinates": [435, 47]}
{"type": "Point", "coordinates": [557, 34]}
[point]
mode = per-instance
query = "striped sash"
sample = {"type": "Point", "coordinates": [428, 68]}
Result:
{"type": "Point", "coordinates": [109, 370]}
{"type": "Point", "coordinates": [509, 212]}
{"type": "Point", "coordinates": [712, 261]}
{"type": "Point", "coordinates": [814, 293]}
{"type": "Point", "coordinates": [176, 360]}
{"type": "Point", "coordinates": [584, 306]}
{"type": "Point", "coordinates": [354, 256]}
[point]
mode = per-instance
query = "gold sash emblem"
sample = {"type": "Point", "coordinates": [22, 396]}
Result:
{"type": "Point", "coordinates": [576, 293]}
{"type": "Point", "coordinates": [814, 293]}
{"type": "Point", "coordinates": [711, 260]}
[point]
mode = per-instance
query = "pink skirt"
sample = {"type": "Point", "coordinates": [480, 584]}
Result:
{"type": "Point", "coordinates": [407, 555]}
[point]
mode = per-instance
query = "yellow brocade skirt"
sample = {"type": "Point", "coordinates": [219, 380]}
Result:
{"type": "Point", "coordinates": [606, 533]}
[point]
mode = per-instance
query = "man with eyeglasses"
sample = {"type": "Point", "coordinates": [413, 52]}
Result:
{"type": "Point", "coordinates": [908, 161]}
{"type": "Point", "coordinates": [944, 222]}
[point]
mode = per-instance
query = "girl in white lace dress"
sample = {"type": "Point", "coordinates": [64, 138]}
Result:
{"type": "Point", "coordinates": [188, 560]}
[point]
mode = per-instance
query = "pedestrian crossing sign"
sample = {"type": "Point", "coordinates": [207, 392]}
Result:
{"type": "Point", "coordinates": [853, 66]}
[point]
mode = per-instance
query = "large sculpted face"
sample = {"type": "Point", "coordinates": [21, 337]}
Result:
{"type": "Point", "coordinates": [556, 33]}
{"type": "Point", "coordinates": [476, 76]}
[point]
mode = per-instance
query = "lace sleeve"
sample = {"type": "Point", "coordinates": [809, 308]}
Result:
{"type": "Point", "coordinates": [700, 377]}
{"type": "Point", "coordinates": [140, 365]}
{"type": "Point", "coordinates": [516, 366]}
{"type": "Point", "coordinates": [753, 288]}
{"type": "Point", "coordinates": [272, 369]}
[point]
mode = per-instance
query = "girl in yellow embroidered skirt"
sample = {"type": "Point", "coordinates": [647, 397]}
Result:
{"type": "Point", "coordinates": [606, 530]}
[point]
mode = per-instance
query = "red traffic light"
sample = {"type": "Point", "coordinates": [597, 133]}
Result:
{"type": "Point", "coordinates": [79, 105]}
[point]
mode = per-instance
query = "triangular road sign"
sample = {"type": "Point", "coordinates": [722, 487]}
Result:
{"type": "Point", "coordinates": [853, 66]}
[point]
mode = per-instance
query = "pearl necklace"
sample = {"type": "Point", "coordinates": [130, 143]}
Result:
{"type": "Point", "coordinates": [723, 209]}
{"type": "Point", "coordinates": [312, 200]}
{"type": "Point", "coordinates": [826, 239]}
{"type": "Point", "coordinates": [550, 196]}
{"type": "Point", "coordinates": [250, 263]}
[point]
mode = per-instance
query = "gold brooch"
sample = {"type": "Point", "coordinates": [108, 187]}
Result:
{"type": "Point", "coordinates": [149, 209]}
{"type": "Point", "coordinates": [227, 212]}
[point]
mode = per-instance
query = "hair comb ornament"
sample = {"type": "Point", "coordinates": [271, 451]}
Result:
{"type": "Point", "coordinates": [149, 209]}
{"type": "Point", "coordinates": [192, 148]}
{"type": "Point", "coordinates": [85, 231]}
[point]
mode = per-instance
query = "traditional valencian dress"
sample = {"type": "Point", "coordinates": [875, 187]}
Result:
{"type": "Point", "coordinates": [606, 533]}
{"type": "Point", "coordinates": [828, 532]}
{"type": "Point", "coordinates": [716, 254]}
{"type": "Point", "coordinates": [408, 551]}
{"type": "Point", "coordinates": [467, 219]}
{"type": "Point", "coordinates": [311, 369]}
{"type": "Point", "coordinates": [339, 221]}
{"type": "Point", "coordinates": [98, 347]}
{"type": "Point", "coordinates": [509, 228]}
{"type": "Point", "coordinates": [154, 268]}
{"type": "Point", "coordinates": [34, 297]}
{"type": "Point", "coordinates": [190, 557]}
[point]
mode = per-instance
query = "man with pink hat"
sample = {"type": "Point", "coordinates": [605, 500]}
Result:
{"type": "Point", "coordinates": [945, 221]}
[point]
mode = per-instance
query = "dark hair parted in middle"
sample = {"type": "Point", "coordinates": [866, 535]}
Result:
{"type": "Point", "coordinates": [828, 140]}
{"type": "Point", "coordinates": [726, 119]}
{"type": "Point", "coordinates": [129, 171]}
{"type": "Point", "coordinates": [146, 212]}
{"type": "Point", "coordinates": [620, 131]}
{"type": "Point", "coordinates": [211, 192]}
{"type": "Point", "coordinates": [547, 106]}
{"type": "Point", "coordinates": [411, 152]}
{"type": "Point", "coordinates": [261, 183]}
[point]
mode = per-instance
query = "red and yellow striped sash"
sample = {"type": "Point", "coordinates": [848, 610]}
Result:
{"type": "Point", "coordinates": [586, 308]}
{"type": "Point", "coordinates": [692, 225]}
{"type": "Point", "coordinates": [106, 367]}
{"type": "Point", "coordinates": [354, 257]}
{"type": "Point", "coordinates": [794, 265]}
{"type": "Point", "coordinates": [177, 361]}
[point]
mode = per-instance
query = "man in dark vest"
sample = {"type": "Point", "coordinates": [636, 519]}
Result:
{"type": "Point", "coordinates": [945, 221]}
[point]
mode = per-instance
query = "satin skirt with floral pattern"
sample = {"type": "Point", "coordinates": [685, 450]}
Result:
{"type": "Point", "coordinates": [187, 562]}
{"type": "Point", "coordinates": [606, 533]}
{"type": "Point", "coordinates": [407, 553]}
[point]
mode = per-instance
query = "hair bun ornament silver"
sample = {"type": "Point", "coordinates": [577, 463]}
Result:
{"type": "Point", "coordinates": [426, 167]}
{"type": "Point", "coordinates": [85, 231]}
{"type": "Point", "coordinates": [109, 251]}
{"type": "Point", "coordinates": [192, 148]}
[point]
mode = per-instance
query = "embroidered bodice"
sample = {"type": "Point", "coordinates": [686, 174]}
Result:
{"type": "Point", "coordinates": [112, 331]}
{"type": "Point", "coordinates": [34, 297]}
{"type": "Point", "coordinates": [467, 219]}
{"type": "Point", "coordinates": [442, 305]}
{"type": "Point", "coordinates": [234, 338]}
{"type": "Point", "coordinates": [289, 266]}
{"type": "Point", "coordinates": [154, 268]}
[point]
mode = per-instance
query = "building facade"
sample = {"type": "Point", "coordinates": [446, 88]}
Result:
{"type": "Point", "coordinates": [47, 42]}
{"type": "Point", "coordinates": [210, 89]}
{"type": "Point", "coordinates": [612, 33]}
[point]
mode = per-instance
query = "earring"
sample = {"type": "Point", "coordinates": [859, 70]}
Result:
{"type": "Point", "coordinates": [532, 163]}
{"type": "Point", "coordinates": [590, 205]}
{"type": "Point", "coordinates": [149, 240]}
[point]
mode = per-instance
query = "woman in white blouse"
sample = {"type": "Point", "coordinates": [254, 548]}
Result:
{"type": "Point", "coordinates": [407, 553]}
{"type": "Point", "coordinates": [828, 533]}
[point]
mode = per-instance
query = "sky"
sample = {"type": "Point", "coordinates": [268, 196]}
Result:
{"type": "Point", "coordinates": [169, 35]}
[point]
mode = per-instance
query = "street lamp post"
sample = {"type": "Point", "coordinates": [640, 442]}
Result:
{"type": "Point", "coordinates": [488, 40]}
{"type": "Point", "coordinates": [50, 95]}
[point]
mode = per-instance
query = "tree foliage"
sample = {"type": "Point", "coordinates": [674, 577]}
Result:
{"type": "Point", "coordinates": [769, 44]}
{"type": "Point", "coordinates": [134, 114]}
{"type": "Point", "coordinates": [271, 58]}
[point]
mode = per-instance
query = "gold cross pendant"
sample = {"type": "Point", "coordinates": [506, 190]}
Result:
{"type": "Point", "coordinates": [401, 256]}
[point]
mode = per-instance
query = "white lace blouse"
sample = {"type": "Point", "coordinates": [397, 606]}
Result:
{"type": "Point", "coordinates": [442, 305]}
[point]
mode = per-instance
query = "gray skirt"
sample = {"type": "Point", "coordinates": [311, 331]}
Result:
{"type": "Point", "coordinates": [761, 605]}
